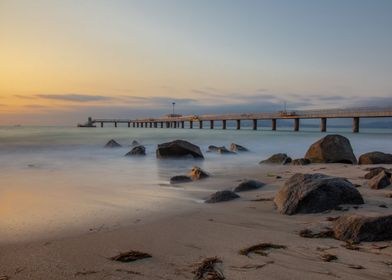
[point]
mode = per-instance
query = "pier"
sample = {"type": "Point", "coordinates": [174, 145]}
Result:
{"type": "Point", "coordinates": [179, 121]}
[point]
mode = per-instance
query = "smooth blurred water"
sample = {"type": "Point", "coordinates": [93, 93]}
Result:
{"type": "Point", "coordinates": [57, 177]}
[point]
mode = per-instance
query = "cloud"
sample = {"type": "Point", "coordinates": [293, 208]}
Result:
{"type": "Point", "coordinates": [24, 96]}
{"type": "Point", "coordinates": [73, 97]}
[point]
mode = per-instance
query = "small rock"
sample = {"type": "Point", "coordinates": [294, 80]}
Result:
{"type": "Point", "coordinates": [180, 179]}
{"type": "Point", "coordinates": [380, 181]}
{"type": "Point", "coordinates": [357, 228]}
{"type": "Point", "coordinates": [135, 143]}
{"type": "Point", "coordinates": [375, 171]}
{"type": "Point", "coordinates": [112, 144]}
{"type": "Point", "coordinates": [328, 257]}
{"type": "Point", "coordinates": [375, 158]}
{"type": "Point", "coordinates": [197, 173]}
{"type": "Point", "coordinates": [382, 206]}
{"type": "Point", "coordinates": [248, 185]}
{"type": "Point", "coordinates": [137, 151]}
{"type": "Point", "coordinates": [237, 148]}
{"type": "Point", "coordinates": [219, 150]}
{"type": "Point", "coordinates": [300, 161]}
{"type": "Point", "coordinates": [222, 196]}
{"type": "Point", "coordinates": [277, 159]}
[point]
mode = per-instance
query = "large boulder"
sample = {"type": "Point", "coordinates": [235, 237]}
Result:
{"type": "Point", "coordinates": [248, 185]}
{"type": "Point", "coordinates": [178, 149]}
{"type": "Point", "coordinates": [331, 149]}
{"type": "Point", "coordinates": [359, 228]}
{"type": "Point", "coordinates": [277, 159]}
{"type": "Point", "coordinates": [237, 148]}
{"type": "Point", "coordinates": [222, 196]}
{"type": "Point", "coordinates": [137, 151]}
{"type": "Point", "coordinates": [197, 173]}
{"type": "Point", "coordinates": [219, 150]}
{"type": "Point", "coordinates": [375, 158]}
{"type": "Point", "coordinates": [380, 181]}
{"type": "Point", "coordinates": [314, 193]}
{"type": "Point", "coordinates": [112, 144]}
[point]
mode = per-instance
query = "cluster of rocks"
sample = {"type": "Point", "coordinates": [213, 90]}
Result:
{"type": "Point", "coordinates": [137, 150]}
{"type": "Point", "coordinates": [234, 148]}
{"type": "Point", "coordinates": [195, 174]}
{"type": "Point", "coordinates": [379, 177]}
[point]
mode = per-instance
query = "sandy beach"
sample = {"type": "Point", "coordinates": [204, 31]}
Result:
{"type": "Point", "coordinates": [179, 239]}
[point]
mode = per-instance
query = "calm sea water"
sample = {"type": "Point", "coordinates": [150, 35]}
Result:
{"type": "Point", "coordinates": [56, 178]}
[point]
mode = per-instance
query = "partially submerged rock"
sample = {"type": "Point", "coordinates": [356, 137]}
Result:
{"type": "Point", "coordinates": [219, 150]}
{"type": "Point", "coordinates": [135, 143]}
{"type": "Point", "coordinates": [237, 148]}
{"type": "Point", "coordinates": [248, 185]}
{"type": "Point", "coordinates": [137, 151]}
{"type": "Point", "coordinates": [357, 228]}
{"type": "Point", "coordinates": [314, 193]}
{"type": "Point", "coordinates": [197, 173]}
{"type": "Point", "coordinates": [379, 181]}
{"type": "Point", "coordinates": [112, 144]}
{"type": "Point", "coordinates": [375, 171]}
{"type": "Point", "coordinates": [277, 159]}
{"type": "Point", "coordinates": [375, 158]}
{"type": "Point", "coordinates": [178, 149]}
{"type": "Point", "coordinates": [300, 161]}
{"type": "Point", "coordinates": [180, 179]}
{"type": "Point", "coordinates": [222, 196]}
{"type": "Point", "coordinates": [331, 149]}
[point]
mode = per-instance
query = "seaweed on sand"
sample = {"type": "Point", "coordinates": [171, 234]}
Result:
{"type": "Point", "coordinates": [260, 249]}
{"type": "Point", "coordinates": [307, 233]}
{"type": "Point", "coordinates": [130, 256]}
{"type": "Point", "coordinates": [207, 270]}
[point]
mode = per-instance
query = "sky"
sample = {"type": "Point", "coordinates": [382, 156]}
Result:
{"type": "Point", "coordinates": [62, 61]}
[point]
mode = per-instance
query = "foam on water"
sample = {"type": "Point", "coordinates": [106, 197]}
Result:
{"type": "Point", "coordinates": [55, 179]}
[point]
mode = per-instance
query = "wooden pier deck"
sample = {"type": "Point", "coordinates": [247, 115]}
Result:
{"type": "Point", "coordinates": [177, 121]}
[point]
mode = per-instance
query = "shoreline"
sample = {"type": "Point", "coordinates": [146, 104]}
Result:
{"type": "Point", "coordinates": [179, 239]}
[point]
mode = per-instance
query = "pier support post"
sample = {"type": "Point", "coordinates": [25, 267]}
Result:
{"type": "Point", "coordinates": [155, 124]}
{"type": "Point", "coordinates": [115, 124]}
{"type": "Point", "coordinates": [133, 124]}
{"type": "Point", "coordinates": [238, 124]}
{"type": "Point", "coordinates": [223, 124]}
{"type": "Point", "coordinates": [200, 124]}
{"type": "Point", "coordinates": [150, 124]}
{"type": "Point", "coordinates": [182, 124]}
{"type": "Point", "coordinates": [323, 124]}
{"type": "Point", "coordinates": [273, 124]}
{"type": "Point", "coordinates": [356, 124]}
{"type": "Point", "coordinates": [129, 124]}
{"type": "Point", "coordinates": [167, 124]}
{"type": "Point", "coordinates": [296, 124]}
{"type": "Point", "coordinates": [190, 124]}
{"type": "Point", "coordinates": [101, 124]}
{"type": "Point", "coordinates": [211, 124]}
{"type": "Point", "coordinates": [142, 124]}
{"type": "Point", "coordinates": [137, 124]}
{"type": "Point", "coordinates": [175, 124]}
{"type": "Point", "coordinates": [161, 124]}
{"type": "Point", "coordinates": [254, 127]}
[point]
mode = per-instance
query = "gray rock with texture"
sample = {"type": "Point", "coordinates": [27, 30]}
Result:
{"type": "Point", "coordinates": [137, 151]}
{"type": "Point", "coordinates": [380, 181]}
{"type": "Point", "coordinates": [277, 159]}
{"type": "Point", "coordinates": [222, 196]}
{"type": "Point", "coordinates": [112, 144]}
{"type": "Point", "coordinates": [375, 158]}
{"type": "Point", "coordinates": [315, 193]}
{"type": "Point", "coordinates": [178, 149]}
{"type": "Point", "coordinates": [248, 185]}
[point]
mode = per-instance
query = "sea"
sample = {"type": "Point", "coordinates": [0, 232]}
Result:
{"type": "Point", "coordinates": [59, 179]}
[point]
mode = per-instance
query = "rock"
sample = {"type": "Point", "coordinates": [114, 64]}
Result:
{"type": "Point", "coordinates": [112, 144]}
{"type": "Point", "coordinates": [331, 149]}
{"type": "Point", "coordinates": [219, 150]}
{"type": "Point", "coordinates": [237, 148]}
{"type": "Point", "coordinates": [180, 179]}
{"type": "Point", "coordinates": [178, 149]}
{"type": "Point", "coordinates": [300, 161]}
{"type": "Point", "coordinates": [375, 171]}
{"type": "Point", "coordinates": [197, 173]}
{"type": "Point", "coordinates": [137, 151]}
{"type": "Point", "coordinates": [248, 185]}
{"type": "Point", "coordinates": [277, 159]}
{"type": "Point", "coordinates": [314, 193]}
{"type": "Point", "coordinates": [379, 181]}
{"type": "Point", "coordinates": [135, 143]}
{"type": "Point", "coordinates": [357, 228]}
{"type": "Point", "coordinates": [375, 158]}
{"type": "Point", "coordinates": [222, 196]}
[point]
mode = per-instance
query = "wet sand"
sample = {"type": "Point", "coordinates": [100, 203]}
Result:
{"type": "Point", "coordinates": [180, 238]}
